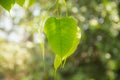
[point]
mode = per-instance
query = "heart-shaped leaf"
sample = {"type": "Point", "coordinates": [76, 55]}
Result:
{"type": "Point", "coordinates": [63, 36]}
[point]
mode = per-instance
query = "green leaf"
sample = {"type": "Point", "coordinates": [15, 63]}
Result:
{"type": "Point", "coordinates": [30, 3]}
{"type": "Point", "coordinates": [63, 35]}
{"type": "Point", "coordinates": [7, 4]}
{"type": "Point", "coordinates": [20, 2]}
{"type": "Point", "coordinates": [25, 3]}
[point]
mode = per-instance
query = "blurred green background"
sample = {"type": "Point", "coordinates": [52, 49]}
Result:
{"type": "Point", "coordinates": [96, 58]}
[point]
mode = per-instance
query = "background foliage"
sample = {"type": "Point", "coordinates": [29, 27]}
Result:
{"type": "Point", "coordinates": [96, 58]}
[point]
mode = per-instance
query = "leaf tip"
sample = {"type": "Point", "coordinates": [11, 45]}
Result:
{"type": "Point", "coordinates": [57, 62]}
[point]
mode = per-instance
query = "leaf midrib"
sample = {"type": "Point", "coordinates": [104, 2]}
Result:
{"type": "Point", "coordinates": [60, 35]}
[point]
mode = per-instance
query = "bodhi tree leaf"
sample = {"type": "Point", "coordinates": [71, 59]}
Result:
{"type": "Point", "coordinates": [63, 36]}
{"type": "Point", "coordinates": [7, 4]}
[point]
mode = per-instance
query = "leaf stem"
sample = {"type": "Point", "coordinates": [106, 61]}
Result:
{"type": "Point", "coordinates": [66, 8]}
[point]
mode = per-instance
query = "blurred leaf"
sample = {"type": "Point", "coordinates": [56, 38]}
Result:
{"type": "Point", "coordinates": [7, 4]}
{"type": "Point", "coordinates": [28, 3]}
{"type": "Point", "coordinates": [25, 3]}
{"type": "Point", "coordinates": [20, 2]}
